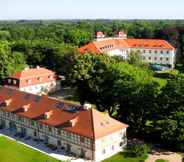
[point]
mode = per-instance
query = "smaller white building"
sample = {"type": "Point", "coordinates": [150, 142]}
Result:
{"type": "Point", "coordinates": [37, 80]}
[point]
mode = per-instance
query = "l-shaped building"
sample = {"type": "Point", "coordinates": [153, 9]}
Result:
{"type": "Point", "coordinates": [153, 51]}
{"type": "Point", "coordinates": [78, 129]}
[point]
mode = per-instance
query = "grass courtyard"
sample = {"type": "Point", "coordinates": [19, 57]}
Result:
{"type": "Point", "coordinates": [11, 151]}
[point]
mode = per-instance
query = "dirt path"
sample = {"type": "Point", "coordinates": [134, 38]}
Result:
{"type": "Point", "coordinates": [170, 156]}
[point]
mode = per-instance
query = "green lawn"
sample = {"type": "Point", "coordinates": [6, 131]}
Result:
{"type": "Point", "coordinates": [11, 151]}
{"type": "Point", "coordinates": [124, 157]}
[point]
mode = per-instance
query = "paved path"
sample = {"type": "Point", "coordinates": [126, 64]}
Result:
{"type": "Point", "coordinates": [170, 156]}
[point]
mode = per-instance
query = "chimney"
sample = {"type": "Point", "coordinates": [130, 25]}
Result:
{"type": "Point", "coordinates": [7, 102]}
{"type": "Point", "coordinates": [74, 121]}
{"type": "Point", "coordinates": [87, 106]}
{"type": "Point", "coordinates": [121, 35]}
{"type": "Point", "coordinates": [26, 107]}
{"type": "Point", "coordinates": [26, 68]}
{"type": "Point", "coordinates": [100, 35]}
{"type": "Point", "coordinates": [38, 67]}
{"type": "Point", "coordinates": [48, 114]}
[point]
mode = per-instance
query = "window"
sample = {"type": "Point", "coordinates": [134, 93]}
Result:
{"type": "Point", "coordinates": [51, 77]}
{"type": "Point", "coordinates": [155, 58]}
{"type": "Point", "coordinates": [155, 51]}
{"type": "Point", "coordinates": [149, 51]}
{"type": "Point", "coordinates": [40, 126]}
{"type": "Point", "coordinates": [82, 139]}
{"type": "Point", "coordinates": [121, 144]}
{"type": "Point", "coordinates": [28, 81]}
{"type": "Point", "coordinates": [167, 52]}
{"type": "Point", "coordinates": [14, 82]}
{"type": "Point", "coordinates": [39, 79]}
{"type": "Point", "coordinates": [50, 129]}
{"type": "Point", "coordinates": [161, 51]}
{"type": "Point", "coordinates": [9, 80]}
{"type": "Point", "coordinates": [19, 118]}
{"type": "Point", "coordinates": [112, 147]}
{"type": "Point", "coordinates": [32, 123]}
{"type": "Point", "coordinates": [59, 132]}
{"type": "Point", "coordinates": [167, 58]}
{"type": "Point", "coordinates": [59, 143]}
{"type": "Point", "coordinates": [149, 58]}
{"type": "Point", "coordinates": [103, 152]}
{"type": "Point", "coordinates": [144, 51]}
{"type": "Point", "coordinates": [161, 58]}
{"type": "Point", "coordinates": [35, 134]}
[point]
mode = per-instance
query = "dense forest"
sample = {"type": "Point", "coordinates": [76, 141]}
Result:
{"type": "Point", "coordinates": [129, 91]}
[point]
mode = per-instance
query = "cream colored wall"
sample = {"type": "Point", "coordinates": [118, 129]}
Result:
{"type": "Point", "coordinates": [106, 143]}
{"type": "Point", "coordinates": [158, 55]}
{"type": "Point", "coordinates": [38, 88]}
{"type": "Point", "coordinates": [118, 52]}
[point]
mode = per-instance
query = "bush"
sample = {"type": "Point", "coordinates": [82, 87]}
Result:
{"type": "Point", "coordinates": [161, 160]}
{"type": "Point", "coordinates": [138, 150]}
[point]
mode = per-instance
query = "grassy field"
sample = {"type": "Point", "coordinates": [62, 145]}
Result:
{"type": "Point", "coordinates": [123, 157]}
{"type": "Point", "coordinates": [11, 151]}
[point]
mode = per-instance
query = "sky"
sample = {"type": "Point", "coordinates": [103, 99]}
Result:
{"type": "Point", "coordinates": [91, 9]}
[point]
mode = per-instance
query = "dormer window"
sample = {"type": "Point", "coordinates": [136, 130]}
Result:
{"type": "Point", "coordinates": [14, 82]}
{"type": "Point", "coordinates": [9, 81]}
{"type": "Point", "coordinates": [39, 79]}
{"type": "Point", "coordinates": [29, 81]}
{"type": "Point", "coordinates": [51, 77]}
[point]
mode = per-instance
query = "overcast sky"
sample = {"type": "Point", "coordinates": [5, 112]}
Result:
{"type": "Point", "coordinates": [91, 9]}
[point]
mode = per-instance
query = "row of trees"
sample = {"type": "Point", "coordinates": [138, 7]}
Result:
{"type": "Point", "coordinates": [78, 33]}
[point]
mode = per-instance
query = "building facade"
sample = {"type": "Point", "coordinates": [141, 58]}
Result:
{"type": "Point", "coordinates": [151, 50]}
{"type": "Point", "coordinates": [34, 80]}
{"type": "Point", "coordinates": [79, 130]}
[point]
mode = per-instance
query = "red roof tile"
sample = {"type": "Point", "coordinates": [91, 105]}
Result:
{"type": "Point", "coordinates": [90, 123]}
{"type": "Point", "coordinates": [33, 76]}
{"type": "Point", "coordinates": [111, 43]}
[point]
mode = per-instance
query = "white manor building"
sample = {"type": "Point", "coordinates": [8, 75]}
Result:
{"type": "Point", "coordinates": [152, 50]}
{"type": "Point", "coordinates": [37, 80]}
{"type": "Point", "coordinates": [80, 130]}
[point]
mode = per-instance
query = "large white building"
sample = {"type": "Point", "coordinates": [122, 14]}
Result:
{"type": "Point", "coordinates": [37, 80]}
{"type": "Point", "coordinates": [152, 50]}
{"type": "Point", "coordinates": [80, 130]}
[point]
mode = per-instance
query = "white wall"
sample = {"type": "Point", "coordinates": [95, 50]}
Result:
{"type": "Point", "coordinates": [39, 88]}
{"type": "Point", "coordinates": [118, 52]}
{"type": "Point", "coordinates": [156, 57]}
{"type": "Point", "coordinates": [110, 144]}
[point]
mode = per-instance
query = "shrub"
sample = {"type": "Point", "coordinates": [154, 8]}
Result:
{"type": "Point", "coordinates": [138, 150]}
{"type": "Point", "coordinates": [161, 160]}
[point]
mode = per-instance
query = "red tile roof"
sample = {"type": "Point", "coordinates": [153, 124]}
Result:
{"type": "Point", "coordinates": [89, 123]}
{"type": "Point", "coordinates": [149, 43]}
{"type": "Point", "coordinates": [111, 43]}
{"type": "Point", "coordinates": [37, 75]}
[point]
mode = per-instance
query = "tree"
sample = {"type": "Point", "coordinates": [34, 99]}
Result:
{"type": "Point", "coordinates": [170, 120]}
{"type": "Point", "coordinates": [9, 62]}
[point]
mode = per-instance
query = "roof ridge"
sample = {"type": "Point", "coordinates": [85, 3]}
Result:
{"type": "Point", "coordinates": [93, 130]}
